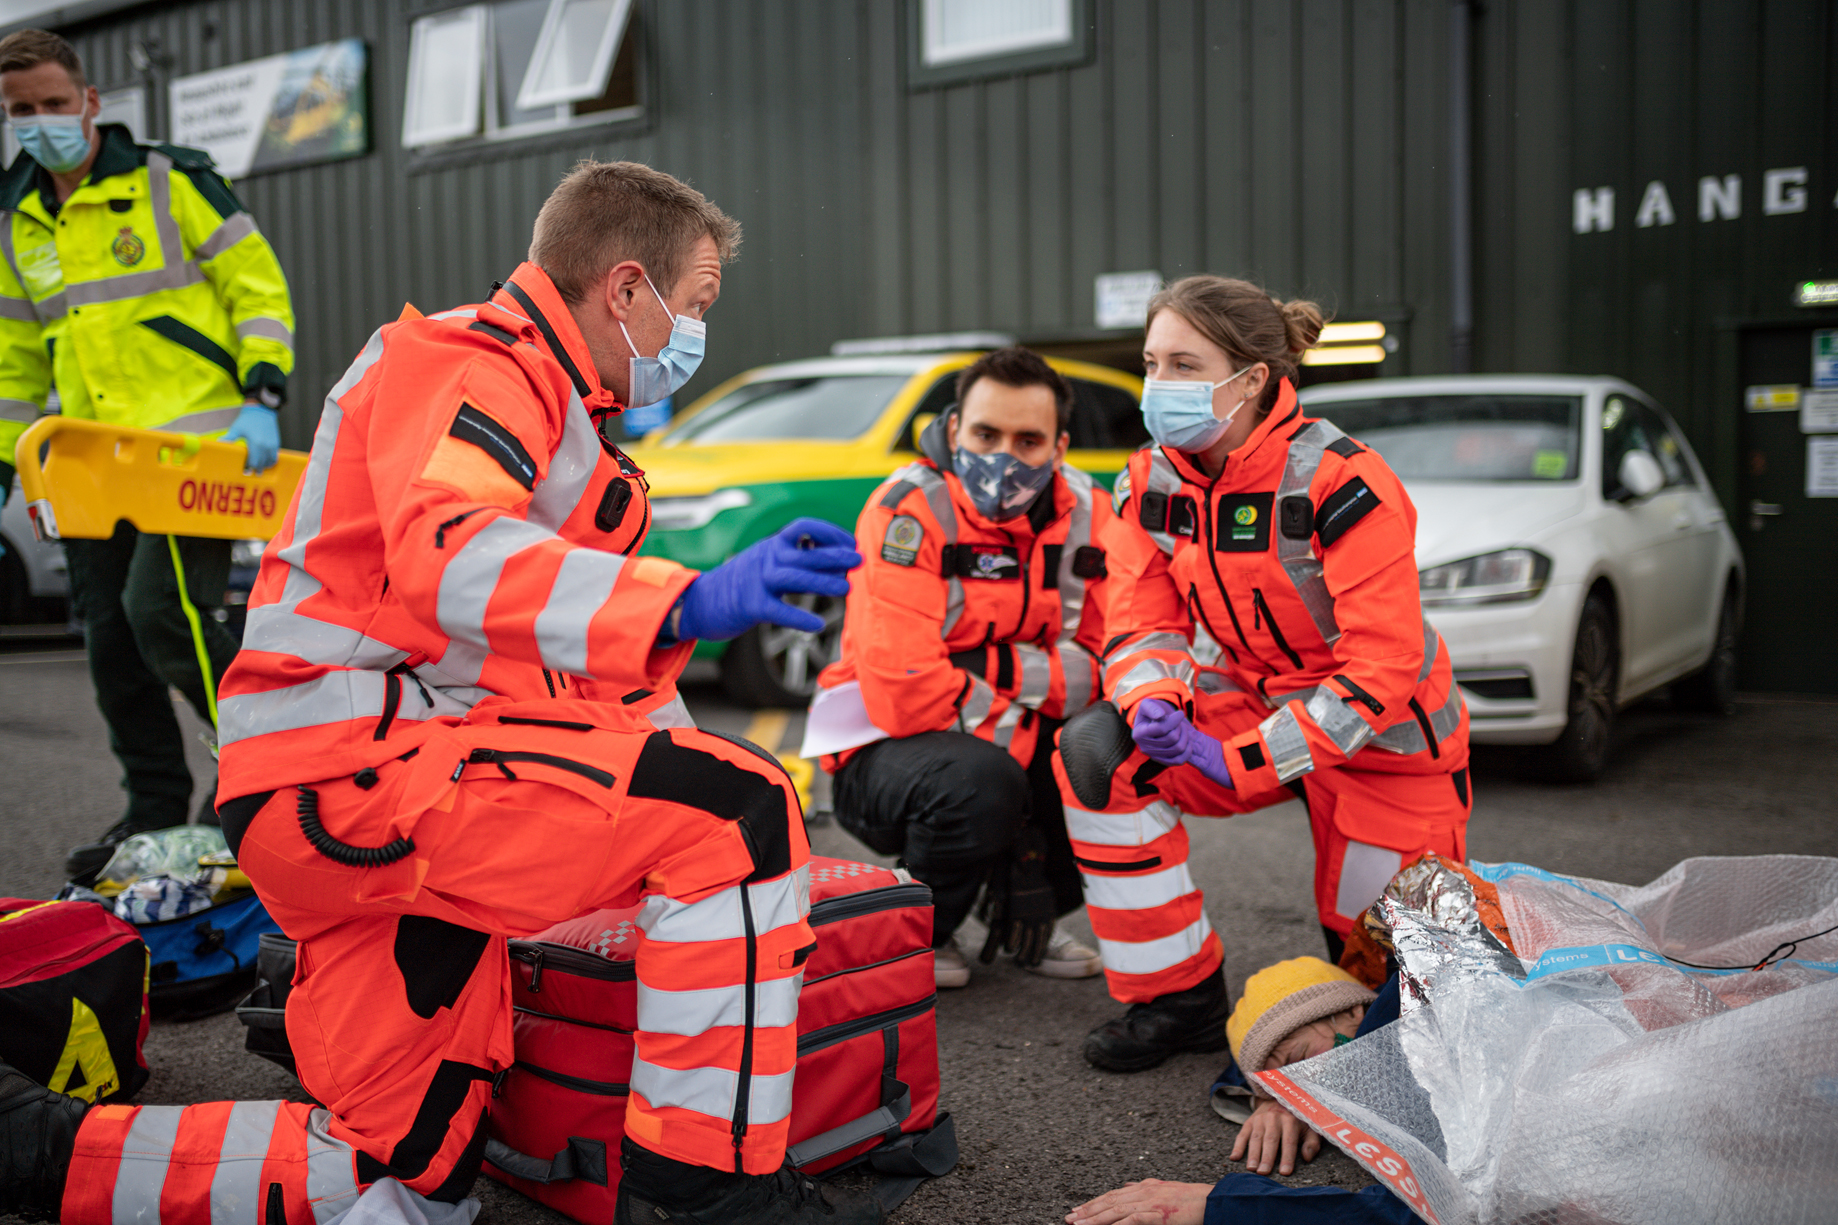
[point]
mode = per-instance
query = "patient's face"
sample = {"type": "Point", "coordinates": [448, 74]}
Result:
{"type": "Point", "coordinates": [1315, 1038]}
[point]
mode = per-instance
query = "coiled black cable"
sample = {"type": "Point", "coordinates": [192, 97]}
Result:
{"type": "Point", "coordinates": [307, 806]}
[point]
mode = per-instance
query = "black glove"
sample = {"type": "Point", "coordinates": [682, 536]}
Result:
{"type": "Point", "coordinates": [1018, 904]}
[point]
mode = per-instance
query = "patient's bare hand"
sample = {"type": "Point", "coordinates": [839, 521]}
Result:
{"type": "Point", "coordinates": [1272, 1137]}
{"type": "Point", "coordinates": [1149, 1202]}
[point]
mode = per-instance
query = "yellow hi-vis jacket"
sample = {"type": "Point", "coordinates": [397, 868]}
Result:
{"type": "Point", "coordinates": [149, 298]}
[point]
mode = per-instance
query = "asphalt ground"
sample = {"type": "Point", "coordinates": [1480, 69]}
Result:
{"type": "Point", "coordinates": [1040, 1130]}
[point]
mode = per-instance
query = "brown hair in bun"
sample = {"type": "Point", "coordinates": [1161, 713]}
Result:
{"type": "Point", "coordinates": [1249, 324]}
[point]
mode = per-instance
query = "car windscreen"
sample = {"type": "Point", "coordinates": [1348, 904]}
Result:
{"type": "Point", "coordinates": [1492, 437]}
{"type": "Point", "coordinates": [830, 406]}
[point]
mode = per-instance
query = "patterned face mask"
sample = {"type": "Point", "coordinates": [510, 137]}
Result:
{"type": "Point", "coordinates": [1000, 486]}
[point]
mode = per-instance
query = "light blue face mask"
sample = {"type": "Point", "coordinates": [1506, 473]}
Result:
{"type": "Point", "coordinates": [56, 142]}
{"type": "Point", "coordinates": [1179, 414]}
{"type": "Point", "coordinates": [1000, 486]}
{"type": "Point", "coordinates": [654, 378]}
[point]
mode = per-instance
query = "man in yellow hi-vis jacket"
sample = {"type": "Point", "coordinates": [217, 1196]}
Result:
{"type": "Point", "coordinates": [135, 288]}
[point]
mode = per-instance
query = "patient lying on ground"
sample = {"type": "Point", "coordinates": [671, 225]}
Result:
{"type": "Point", "coordinates": [1289, 1012]}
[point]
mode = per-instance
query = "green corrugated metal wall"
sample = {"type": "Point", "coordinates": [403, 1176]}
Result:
{"type": "Point", "coordinates": [1302, 142]}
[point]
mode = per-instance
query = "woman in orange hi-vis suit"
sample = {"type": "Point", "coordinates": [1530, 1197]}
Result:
{"type": "Point", "coordinates": [454, 720]}
{"type": "Point", "coordinates": [1286, 548]}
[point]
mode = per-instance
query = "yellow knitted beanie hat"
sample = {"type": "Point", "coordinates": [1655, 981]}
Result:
{"type": "Point", "coordinates": [1280, 999]}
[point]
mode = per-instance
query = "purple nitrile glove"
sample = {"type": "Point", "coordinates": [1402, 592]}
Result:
{"type": "Point", "coordinates": [1164, 733]}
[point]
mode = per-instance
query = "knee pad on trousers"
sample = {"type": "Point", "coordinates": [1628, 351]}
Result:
{"type": "Point", "coordinates": [1093, 744]}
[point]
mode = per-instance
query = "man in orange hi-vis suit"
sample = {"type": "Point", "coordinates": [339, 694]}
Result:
{"type": "Point", "coordinates": [973, 632]}
{"type": "Point", "coordinates": [454, 720]}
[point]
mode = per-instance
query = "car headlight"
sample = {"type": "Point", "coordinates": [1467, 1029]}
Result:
{"type": "Point", "coordinates": [1491, 578]}
{"type": "Point", "coordinates": [687, 514]}
{"type": "Point", "coordinates": [247, 553]}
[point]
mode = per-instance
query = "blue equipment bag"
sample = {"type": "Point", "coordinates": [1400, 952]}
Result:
{"type": "Point", "coordinates": [204, 962]}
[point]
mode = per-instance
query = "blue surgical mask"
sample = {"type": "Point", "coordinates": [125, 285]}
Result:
{"type": "Point", "coordinates": [56, 142]}
{"type": "Point", "coordinates": [1000, 486]}
{"type": "Point", "coordinates": [1179, 414]}
{"type": "Point", "coordinates": [654, 378]}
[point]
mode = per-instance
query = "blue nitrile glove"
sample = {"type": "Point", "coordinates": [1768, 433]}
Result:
{"type": "Point", "coordinates": [1164, 733]}
{"type": "Point", "coordinates": [744, 590]}
{"type": "Point", "coordinates": [258, 429]}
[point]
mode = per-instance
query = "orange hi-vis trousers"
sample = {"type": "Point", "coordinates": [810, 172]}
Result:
{"type": "Point", "coordinates": [400, 1017]}
{"type": "Point", "coordinates": [1146, 911]}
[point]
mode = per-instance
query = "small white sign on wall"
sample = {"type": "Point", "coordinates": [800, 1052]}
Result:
{"type": "Point", "coordinates": [1123, 298]}
{"type": "Point", "coordinates": [1819, 411]}
{"type": "Point", "coordinates": [1822, 466]}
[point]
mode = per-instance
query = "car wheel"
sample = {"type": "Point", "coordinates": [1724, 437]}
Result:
{"type": "Point", "coordinates": [1712, 690]}
{"type": "Point", "coordinates": [1580, 754]}
{"type": "Point", "coordinates": [771, 665]}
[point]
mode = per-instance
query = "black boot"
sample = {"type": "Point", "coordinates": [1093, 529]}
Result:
{"type": "Point", "coordinates": [38, 1133]}
{"type": "Point", "coordinates": [656, 1189]}
{"type": "Point", "coordinates": [1190, 1020]}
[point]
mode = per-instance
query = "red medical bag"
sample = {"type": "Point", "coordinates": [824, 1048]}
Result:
{"type": "Point", "coordinates": [866, 1091]}
{"type": "Point", "coordinates": [73, 998]}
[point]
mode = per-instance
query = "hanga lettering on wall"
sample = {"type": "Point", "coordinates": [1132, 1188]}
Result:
{"type": "Point", "coordinates": [1719, 198]}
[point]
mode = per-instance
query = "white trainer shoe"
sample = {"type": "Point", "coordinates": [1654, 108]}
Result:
{"type": "Point", "coordinates": [1067, 958]}
{"type": "Point", "coordinates": [950, 968]}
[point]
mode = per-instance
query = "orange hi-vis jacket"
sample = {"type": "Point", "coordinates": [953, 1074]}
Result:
{"type": "Point", "coordinates": [956, 622]}
{"type": "Point", "coordinates": [461, 530]}
{"type": "Point", "coordinates": [1298, 561]}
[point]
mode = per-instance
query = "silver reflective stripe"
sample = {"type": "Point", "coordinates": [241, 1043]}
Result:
{"type": "Point", "coordinates": [235, 228]}
{"type": "Point", "coordinates": [977, 703]}
{"type": "Point", "coordinates": [18, 410]}
{"type": "Point", "coordinates": [1078, 536]}
{"type": "Point", "coordinates": [273, 329]}
{"type": "Point", "coordinates": [1122, 828]}
{"type": "Point", "coordinates": [1148, 672]}
{"type": "Point", "coordinates": [1034, 669]}
{"type": "Point", "coordinates": [335, 697]}
{"type": "Point", "coordinates": [1150, 642]}
{"type": "Point", "coordinates": [206, 422]}
{"type": "Point", "coordinates": [674, 713]}
{"type": "Point", "coordinates": [469, 581]}
{"type": "Point", "coordinates": [582, 587]}
{"type": "Point", "coordinates": [1162, 479]}
{"type": "Point", "coordinates": [177, 271]}
{"type": "Point", "coordinates": [53, 308]}
{"type": "Point", "coordinates": [775, 903]}
{"type": "Point", "coordinates": [1006, 723]}
{"type": "Point", "coordinates": [926, 479]}
{"type": "Point", "coordinates": [1406, 737]}
{"type": "Point", "coordinates": [460, 312]}
{"type": "Point", "coordinates": [1077, 666]}
{"type": "Point", "coordinates": [571, 469]}
{"type": "Point", "coordinates": [1138, 892]}
{"type": "Point", "coordinates": [18, 308]}
{"type": "Point", "coordinates": [1333, 715]}
{"type": "Point", "coordinates": [236, 1187]}
{"type": "Point", "coordinates": [1298, 556]}
{"type": "Point", "coordinates": [711, 1091]}
{"type": "Point", "coordinates": [145, 1156]}
{"type": "Point", "coordinates": [1154, 956]}
{"type": "Point", "coordinates": [331, 1169]}
{"type": "Point", "coordinates": [1288, 745]}
{"type": "Point", "coordinates": [273, 628]}
{"type": "Point", "coordinates": [688, 1013]}
{"type": "Point", "coordinates": [1432, 647]}
{"type": "Point", "coordinates": [1215, 682]}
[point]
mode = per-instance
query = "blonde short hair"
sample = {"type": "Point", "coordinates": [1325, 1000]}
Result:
{"type": "Point", "coordinates": [604, 213]}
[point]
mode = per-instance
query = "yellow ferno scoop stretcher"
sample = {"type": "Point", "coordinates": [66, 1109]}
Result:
{"type": "Point", "coordinates": [81, 477]}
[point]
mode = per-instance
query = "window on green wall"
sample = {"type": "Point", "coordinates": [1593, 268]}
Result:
{"type": "Point", "coordinates": [517, 68]}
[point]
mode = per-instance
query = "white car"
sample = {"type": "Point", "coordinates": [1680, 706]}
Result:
{"type": "Point", "coordinates": [1570, 549]}
{"type": "Point", "coordinates": [33, 576]}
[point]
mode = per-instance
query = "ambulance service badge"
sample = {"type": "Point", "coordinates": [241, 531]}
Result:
{"type": "Point", "coordinates": [901, 544]}
{"type": "Point", "coordinates": [128, 249]}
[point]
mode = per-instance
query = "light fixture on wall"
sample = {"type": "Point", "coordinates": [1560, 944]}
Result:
{"type": "Point", "coordinates": [1816, 293]}
{"type": "Point", "coordinates": [1349, 344]}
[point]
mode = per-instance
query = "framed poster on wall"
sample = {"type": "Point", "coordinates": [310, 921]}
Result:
{"type": "Point", "coordinates": [293, 109]}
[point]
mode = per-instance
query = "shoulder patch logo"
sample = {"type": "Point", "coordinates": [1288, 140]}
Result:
{"type": "Point", "coordinates": [128, 248]}
{"type": "Point", "coordinates": [900, 545]}
{"type": "Point", "coordinates": [1245, 516]}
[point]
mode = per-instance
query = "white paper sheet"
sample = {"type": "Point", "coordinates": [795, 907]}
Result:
{"type": "Point", "coordinates": [838, 720]}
